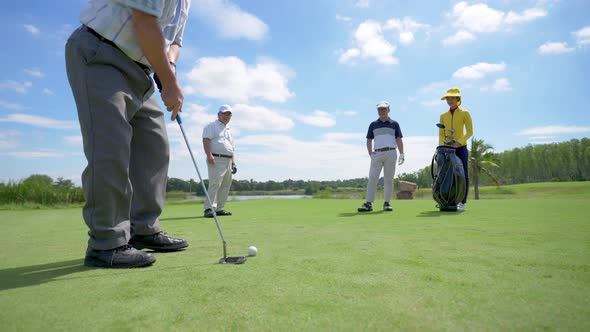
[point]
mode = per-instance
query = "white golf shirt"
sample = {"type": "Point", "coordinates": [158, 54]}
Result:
{"type": "Point", "coordinates": [222, 141]}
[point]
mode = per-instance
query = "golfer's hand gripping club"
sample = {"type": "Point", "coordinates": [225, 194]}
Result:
{"type": "Point", "coordinates": [171, 92]}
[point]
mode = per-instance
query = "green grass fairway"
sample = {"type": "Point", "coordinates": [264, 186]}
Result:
{"type": "Point", "coordinates": [505, 264]}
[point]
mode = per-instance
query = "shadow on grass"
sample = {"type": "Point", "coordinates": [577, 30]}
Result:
{"type": "Point", "coordinates": [38, 274]}
{"type": "Point", "coordinates": [434, 214]}
{"type": "Point", "coordinates": [352, 214]}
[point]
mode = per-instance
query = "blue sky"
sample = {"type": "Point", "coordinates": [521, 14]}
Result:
{"type": "Point", "coordinates": [304, 78]}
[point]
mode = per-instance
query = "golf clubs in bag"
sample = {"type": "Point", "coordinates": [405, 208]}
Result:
{"type": "Point", "coordinates": [448, 180]}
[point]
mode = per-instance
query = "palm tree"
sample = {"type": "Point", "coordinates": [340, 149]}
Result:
{"type": "Point", "coordinates": [481, 158]}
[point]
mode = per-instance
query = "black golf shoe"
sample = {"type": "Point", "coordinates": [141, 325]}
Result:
{"type": "Point", "coordinates": [223, 213]}
{"type": "Point", "coordinates": [208, 213]}
{"type": "Point", "coordinates": [367, 207]}
{"type": "Point", "coordinates": [387, 207]}
{"type": "Point", "coordinates": [119, 258]}
{"type": "Point", "coordinates": [159, 242]}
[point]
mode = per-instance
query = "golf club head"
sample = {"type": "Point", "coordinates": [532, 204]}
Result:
{"type": "Point", "coordinates": [440, 125]}
{"type": "Point", "coordinates": [233, 260]}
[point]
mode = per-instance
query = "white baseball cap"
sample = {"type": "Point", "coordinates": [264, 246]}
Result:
{"type": "Point", "coordinates": [383, 104]}
{"type": "Point", "coordinates": [225, 108]}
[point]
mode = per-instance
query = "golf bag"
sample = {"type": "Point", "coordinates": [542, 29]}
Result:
{"type": "Point", "coordinates": [448, 180]}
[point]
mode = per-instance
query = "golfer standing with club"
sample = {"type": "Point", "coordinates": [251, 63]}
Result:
{"type": "Point", "coordinates": [218, 144]}
{"type": "Point", "coordinates": [109, 60]}
{"type": "Point", "coordinates": [459, 128]}
{"type": "Point", "coordinates": [387, 137]}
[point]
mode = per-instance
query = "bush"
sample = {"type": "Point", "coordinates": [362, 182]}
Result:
{"type": "Point", "coordinates": [40, 189]}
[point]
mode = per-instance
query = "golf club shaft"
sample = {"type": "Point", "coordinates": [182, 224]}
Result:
{"type": "Point", "coordinates": [179, 121]}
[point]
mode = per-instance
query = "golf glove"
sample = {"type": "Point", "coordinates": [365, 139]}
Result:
{"type": "Point", "coordinates": [401, 159]}
{"type": "Point", "coordinates": [234, 168]}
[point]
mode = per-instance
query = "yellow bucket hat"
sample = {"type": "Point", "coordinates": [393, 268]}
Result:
{"type": "Point", "coordinates": [453, 92]}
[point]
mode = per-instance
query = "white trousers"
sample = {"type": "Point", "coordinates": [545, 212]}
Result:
{"type": "Point", "coordinates": [219, 182]}
{"type": "Point", "coordinates": [385, 160]}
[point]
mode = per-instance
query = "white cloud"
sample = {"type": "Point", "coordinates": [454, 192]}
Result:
{"type": "Point", "coordinates": [371, 45]}
{"type": "Point", "coordinates": [260, 118]}
{"type": "Point", "coordinates": [471, 20]}
{"type": "Point", "coordinates": [39, 121]}
{"type": "Point", "coordinates": [477, 17]}
{"type": "Point", "coordinates": [20, 87]}
{"type": "Point", "coordinates": [461, 36]}
{"type": "Point", "coordinates": [34, 72]}
{"type": "Point", "coordinates": [230, 20]}
{"type": "Point", "coordinates": [343, 18]}
{"type": "Point", "coordinates": [362, 4]}
{"type": "Point", "coordinates": [542, 138]}
{"type": "Point", "coordinates": [73, 140]}
{"type": "Point", "coordinates": [406, 28]}
{"type": "Point", "coordinates": [555, 48]}
{"type": "Point", "coordinates": [583, 35]}
{"type": "Point", "coordinates": [406, 37]}
{"type": "Point", "coordinates": [318, 119]}
{"type": "Point", "coordinates": [502, 84]}
{"type": "Point", "coordinates": [48, 92]}
{"type": "Point", "coordinates": [349, 54]}
{"type": "Point", "coordinates": [33, 154]}
{"type": "Point", "coordinates": [229, 78]}
{"type": "Point", "coordinates": [11, 106]}
{"type": "Point", "coordinates": [345, 113]}
{"type": "Point", "coordinates": [478, 70]}
{"type": "Point", "coordinates": [528, 15]}
{"type": "Point", "coordinates": [435, 87]}
{"type": "Point", "coordinates": [553, 130]}
{"type": "Point", "coordinates": [344, 137]}
{"type": "Point", "coordinates": [8, 139]}
{"type": "Point", "coordinates": [33, 30]}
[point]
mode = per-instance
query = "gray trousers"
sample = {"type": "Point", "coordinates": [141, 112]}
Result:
{"type": "Point", "coordinates": [125, 141]}
{"type": "Point", "coordinates": [381, 161]}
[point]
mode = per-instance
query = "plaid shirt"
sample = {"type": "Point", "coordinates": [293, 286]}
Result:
{"type": "Point", "coordinates": [112, 20]}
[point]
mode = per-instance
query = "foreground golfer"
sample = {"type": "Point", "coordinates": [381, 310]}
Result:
{"type": "Point", "coordinates": [388, 138]}
{"type": "Point", "coordinates": [458, 124]}
{"type": "Point", "coordinates": [218, 143]}
{"type": "Point", "coordinates": [109, 60]}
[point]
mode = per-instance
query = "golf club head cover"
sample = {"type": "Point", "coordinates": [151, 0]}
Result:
{"type": "Point", "coordinates": [234, 168]}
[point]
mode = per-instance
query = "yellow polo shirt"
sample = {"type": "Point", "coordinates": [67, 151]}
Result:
{"type": "Point", "coordinates": [460, 120]}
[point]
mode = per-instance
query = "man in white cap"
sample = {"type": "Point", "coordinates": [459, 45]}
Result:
{"type": "Point", "coordinates": [218, 143]}
{"type": "Point", "coordinates": [388, 139]}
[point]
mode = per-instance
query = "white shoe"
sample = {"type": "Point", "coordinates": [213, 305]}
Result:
{"type": "Point", "coordinates": [461, 207]}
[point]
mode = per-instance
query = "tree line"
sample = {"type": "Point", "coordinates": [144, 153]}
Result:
{"type": "Point", "coordinates": [555, 162]}
{"type": "Point", "coordinates": [565, 161]}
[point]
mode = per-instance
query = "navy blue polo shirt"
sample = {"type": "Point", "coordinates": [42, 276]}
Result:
{"type": "Point", "coordinates": [384, 133]}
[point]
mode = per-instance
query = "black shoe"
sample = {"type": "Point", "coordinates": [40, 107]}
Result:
{"type": "Point", "coordinates": [119, 258]}
{"type": "Point", "coordinates": [223, 213]}
{"type": "Point", "coordinates": [367, 207]}
{"type": "Point", "coordinates": [159, 242]}
{"type": "Point", "coordinates": [208, 213]}
{"type": "Point", "coordinates": [387, 207]}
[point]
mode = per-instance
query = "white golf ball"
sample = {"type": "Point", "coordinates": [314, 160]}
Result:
{"type": "Point", "coordinates": [252, 251]}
